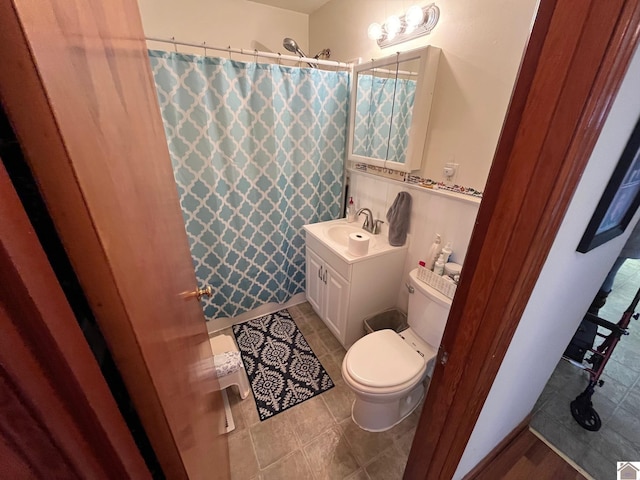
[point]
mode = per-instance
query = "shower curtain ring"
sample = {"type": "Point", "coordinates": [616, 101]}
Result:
{"type": "Point", "coordinates": [255, 55]}
{"type": "Point", "coordinates": [279, 59]}
{"type": "Point", "coordinates": [175, 45]}
{"type": "Point", "coordinates": [204, 45]}
{"type": "Point", "coordinates": [229, 50]}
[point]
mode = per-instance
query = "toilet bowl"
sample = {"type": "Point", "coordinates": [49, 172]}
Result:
{"type": "Point", "coordinates": [386, 370]}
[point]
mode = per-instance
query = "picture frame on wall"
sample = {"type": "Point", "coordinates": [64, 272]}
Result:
{"type": "Point", "coordinates": [620, 199]}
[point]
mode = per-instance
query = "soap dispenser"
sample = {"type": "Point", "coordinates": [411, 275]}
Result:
{"type": "Point", "coordinates": [433, 253]}
{"type": "Point", "coordinates": [351, 211]}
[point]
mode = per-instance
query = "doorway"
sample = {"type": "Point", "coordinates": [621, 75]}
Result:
{"type": "Point", "coordinates": [617, 401]}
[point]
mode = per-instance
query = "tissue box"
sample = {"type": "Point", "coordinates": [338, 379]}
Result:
{"type": "Point", "coordinates": [446, 287]}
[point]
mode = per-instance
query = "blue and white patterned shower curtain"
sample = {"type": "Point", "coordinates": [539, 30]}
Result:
{"type": "Point", "coordinates": [257, 152]}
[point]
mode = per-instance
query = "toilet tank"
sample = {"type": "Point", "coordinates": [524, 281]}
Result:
{"type": "Point", "coordinates": [428, 311]}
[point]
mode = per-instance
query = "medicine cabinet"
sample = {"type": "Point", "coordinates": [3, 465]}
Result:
{"type": "Point", "coordinates": [390, 106]}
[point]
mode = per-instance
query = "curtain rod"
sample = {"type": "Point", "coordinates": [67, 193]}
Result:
{"type": "Point", "coordinates": [254, 53]}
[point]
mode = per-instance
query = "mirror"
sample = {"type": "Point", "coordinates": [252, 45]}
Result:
{"type": "Point", "coordinates": [390, 105]}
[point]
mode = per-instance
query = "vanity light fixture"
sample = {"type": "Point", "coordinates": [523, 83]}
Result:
{"type": "Point", "coordinates": [417, 21]}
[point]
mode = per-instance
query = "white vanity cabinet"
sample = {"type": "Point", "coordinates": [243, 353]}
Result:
{"type": "Point", "coordinates": [344, 290]}
{"type": "Point", "coordinates": [327, 292]}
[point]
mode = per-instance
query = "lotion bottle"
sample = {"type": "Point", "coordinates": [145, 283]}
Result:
{"type": "Point", "coordinates": [447, 252]}
{"type": "Point", "coordinates": [438, 267]}
{"type": "Point", "coordinates": [433, 253]}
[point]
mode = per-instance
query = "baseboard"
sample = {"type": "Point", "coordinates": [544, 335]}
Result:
{"type": "Point", "coordinates": [218, 324]}
{"type": "Point", "coordinates": [577, 467]}
{"type": "Point", "coordinates": [479, 468]}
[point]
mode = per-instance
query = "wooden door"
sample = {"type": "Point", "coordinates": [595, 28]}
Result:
{"type": "Point", "coordinates": [77, 87]}
{"type": "Point", "coordinates": [58, 418]}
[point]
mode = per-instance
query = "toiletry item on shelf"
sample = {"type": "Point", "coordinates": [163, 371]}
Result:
{"type": "Point", "coordinates": [438, 267]}
{"type": "Point", "coordinates": [452, 269]}
{"type": "Point", "coordinates": [447, 252]}
{"type": "Point", "coordinates": [351, 211]}
{"type": "Point", "coordinates": [433, 253]}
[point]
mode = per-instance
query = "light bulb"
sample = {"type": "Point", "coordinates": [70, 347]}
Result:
{"type": "Point", "coordinates": [392, 26]}
{"type": "Point", "coordinates": [414, 16]}
{"type": "Point", "coordinates": [375, 31]}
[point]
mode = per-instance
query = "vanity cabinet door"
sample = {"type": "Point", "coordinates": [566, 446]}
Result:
{"type": "Point", "coordinates": [335, 302]}
{"type": "Point", "coordinates": [315, 283]}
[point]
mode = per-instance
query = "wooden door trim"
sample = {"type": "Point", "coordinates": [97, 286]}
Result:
{"type": "Point", "coordinates": [573, 66]}
{"type": "Point", "coordinates": [498, 449]}
{"type": "Point", "coordinates": [48, 363]}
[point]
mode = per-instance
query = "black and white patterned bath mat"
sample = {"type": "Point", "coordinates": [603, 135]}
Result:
{"type": "Point", "coordinates": [282, 368]}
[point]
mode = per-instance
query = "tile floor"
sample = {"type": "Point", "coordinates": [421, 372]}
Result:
{"type": "Point", "coordinates": [316, 439]}
{"type": "Point", "coordinates": [617, 402]}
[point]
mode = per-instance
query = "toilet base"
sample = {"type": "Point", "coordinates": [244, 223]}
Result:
{"type": "Point", "coordinates": [379, 417]}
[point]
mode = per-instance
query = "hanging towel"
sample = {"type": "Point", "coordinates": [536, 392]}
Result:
{"type": "Point", "coordinates": [398, 218]}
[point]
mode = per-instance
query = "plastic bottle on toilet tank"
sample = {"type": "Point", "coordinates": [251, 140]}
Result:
{"type": "Point", "coordinates": [433, 253]}
{"type": "Point", "coordinates": [447, 252]}
{"type": "Point", "coordinates": [438, 267]}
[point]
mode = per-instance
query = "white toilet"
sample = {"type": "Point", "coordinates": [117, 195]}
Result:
{"type": "Point", "coordinates": [386, 370]}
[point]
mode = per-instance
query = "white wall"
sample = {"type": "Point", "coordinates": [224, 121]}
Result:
{"type": "Point", "coordinates": [239, 23]}
{"type": "Point", "coordinates": [482, 44]}
{"type": "Point", "coordinates": [567, 284]}
{"type": "Point", "coordinates": [450, 215]}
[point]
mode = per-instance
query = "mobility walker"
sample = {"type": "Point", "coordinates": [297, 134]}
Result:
{"type": "Point", "coordinates": [583, 342]}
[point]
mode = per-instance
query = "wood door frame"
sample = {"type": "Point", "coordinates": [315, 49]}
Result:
{"type": "Point", "coordinates": [573, 66]}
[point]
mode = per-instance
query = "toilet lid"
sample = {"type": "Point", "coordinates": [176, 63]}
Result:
{"type": "Point", "coordinates": [383, 359]}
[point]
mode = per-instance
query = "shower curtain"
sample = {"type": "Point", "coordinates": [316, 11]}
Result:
{"type": "Point", "coordinates": [257, 152]}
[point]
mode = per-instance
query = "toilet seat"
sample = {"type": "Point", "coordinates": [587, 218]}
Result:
{"type": "Point", "coordinates": [384, 360]}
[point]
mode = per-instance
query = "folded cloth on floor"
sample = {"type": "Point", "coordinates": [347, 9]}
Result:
{"type": "Point", "coordinates": [398, 218]}
{"type": "Point", "coordinates": [227, 362]}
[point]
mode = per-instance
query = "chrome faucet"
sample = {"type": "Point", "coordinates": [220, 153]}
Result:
{"type": "Point", "coordinates": [369, 224]}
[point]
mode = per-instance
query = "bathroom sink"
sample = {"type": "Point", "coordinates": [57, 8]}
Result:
{"type": "Point", "coordinates": [340, 234]}
{"type": "Point", "coordinates": [334, 235]}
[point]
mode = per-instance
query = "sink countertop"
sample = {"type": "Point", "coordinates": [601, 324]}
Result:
{"type": "Point", "coordinates": [379, 244]}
